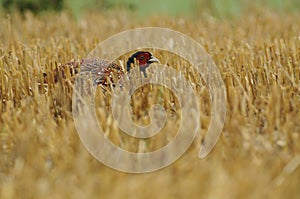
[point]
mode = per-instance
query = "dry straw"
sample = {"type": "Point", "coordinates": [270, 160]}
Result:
{"type": "Point", "coordinates": [41, 155]}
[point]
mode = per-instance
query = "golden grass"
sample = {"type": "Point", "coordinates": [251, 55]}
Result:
{"type": "Point", "coordinates": [257, 155]}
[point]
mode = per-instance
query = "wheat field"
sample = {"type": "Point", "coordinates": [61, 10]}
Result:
{"type": "Point", "coordinates": [257, 155]}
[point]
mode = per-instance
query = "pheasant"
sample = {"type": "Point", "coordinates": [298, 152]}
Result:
{"type": "Point", "coordinates": [102, 72]}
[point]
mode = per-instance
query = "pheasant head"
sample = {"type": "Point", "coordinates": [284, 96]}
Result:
{"type": "Point", "coordinates": [143, 59]}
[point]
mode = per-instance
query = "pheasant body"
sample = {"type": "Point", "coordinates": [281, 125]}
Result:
{"type": "Point", "coordinates": [101, 71]}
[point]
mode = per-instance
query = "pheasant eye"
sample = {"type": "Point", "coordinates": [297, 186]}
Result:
{"type": "Point", "coordinates": [142, 57]}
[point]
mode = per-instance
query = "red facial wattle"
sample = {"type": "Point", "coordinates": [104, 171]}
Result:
{"type": "Point", "coordinates": [143, 59]}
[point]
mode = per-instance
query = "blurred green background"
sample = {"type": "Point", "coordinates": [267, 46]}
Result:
{"type": "Point", "coordinates": [218, 8]}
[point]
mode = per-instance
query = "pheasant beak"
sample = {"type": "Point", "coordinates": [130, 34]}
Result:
{"type": "Point", "coordinates": [153, 60]}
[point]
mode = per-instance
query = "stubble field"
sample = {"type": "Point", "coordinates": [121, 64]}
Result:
{"type": "Point", "coordinates": [257, 155]}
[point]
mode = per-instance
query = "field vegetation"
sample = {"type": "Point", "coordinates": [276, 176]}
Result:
{"type": "Point", "coordinates": [257, 156]}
